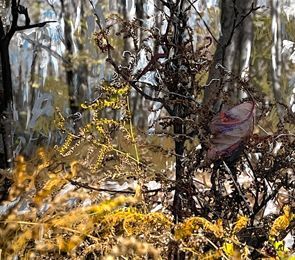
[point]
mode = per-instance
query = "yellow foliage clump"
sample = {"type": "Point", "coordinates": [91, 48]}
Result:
{"type": "Point", "coordinates": [241, 223]}
{"type": "Point", "coordinates": [282, 222]}
{"type": "Point", "coordinates": [193, 224]}
{"type": "Point", "coordinates": [81, 222]}
{"type": "Point", "coordinates": [134, 222]}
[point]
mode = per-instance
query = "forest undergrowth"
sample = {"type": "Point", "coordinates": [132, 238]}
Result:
{"type": "Point", "coordinates": [61, 204]}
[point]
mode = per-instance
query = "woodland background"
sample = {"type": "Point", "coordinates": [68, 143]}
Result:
{"type": "Point", "coordinates": [52, 63]}
{"type": "Point", "coordinates": [96, 158]}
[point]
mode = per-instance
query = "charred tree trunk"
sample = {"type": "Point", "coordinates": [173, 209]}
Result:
{"type": "Point", "coordinates": [232, 51]}
{"type": "Point", "coordinates": [179, 148]}
{"type": "Point", "coordinates": [73, 96]}
{"type": "Point", "coordinates": [6, 107]}
{"type": "Point", "coordinates": [180, 111]}
{"type": "Point", "coordinates": [211, 94]}
{"type": "Point", "coordinates": [82, 71]}
{"type": "Point", "coordinates": [140, 16]}
{"type": "Point", "coordinates": [136, 99]}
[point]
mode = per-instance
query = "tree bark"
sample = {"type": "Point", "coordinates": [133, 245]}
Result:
{"type": "Point", "coordinates": [6, 111]}
{"type": "Point", "coordinates": [246, 41]}
{"type": "Point", "coordinates": [276, 56]}
{"type": "Point", "coordinates": [73, 95]}
{"type": "Point", "coordinates": [232, 52]}
{"type": "Point", "coordinates": [82, 71]}
{"type": "Point", "coordinates": [211, 93]}
{"type": "Point", "coordinates": [181, 202]}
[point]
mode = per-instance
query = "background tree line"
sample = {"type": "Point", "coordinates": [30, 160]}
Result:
{"type": "Point", "coordinates": [60, 60]}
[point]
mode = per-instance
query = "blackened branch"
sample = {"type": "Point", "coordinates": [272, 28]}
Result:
{"type": "Point", "coordinates": [30, 26]}
{"type": "Point", "coordinates": [16, 10]}
{"type": "Point", "coordinates": [89, 187]}
{"type": "Point", "coordinates": [204, 22]}
{"type": "Point", "coordinates": [2, 33]}
{"type": "Point", "coordinates": [132, 83]}
{"type": "Point", "coordinates": [237, 24]}
{"type": "Point", "coordinates": [23, 10]}
{"type": "Point", "coordinates": [152, 62]}
{"type": "Point", "coordinates": [253, 9]}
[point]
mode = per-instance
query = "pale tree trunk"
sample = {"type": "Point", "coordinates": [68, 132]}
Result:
{"type": "Point", "coordinates": [246, 41]}
{"type": "Point", "coordinates": [276, 56]}
{"type": "Point", "coordinates": [138, 118]}
{"type": "Point", "coordinates": [82, 72]}
{"type": "Point", "coordinates": [245, 47]}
